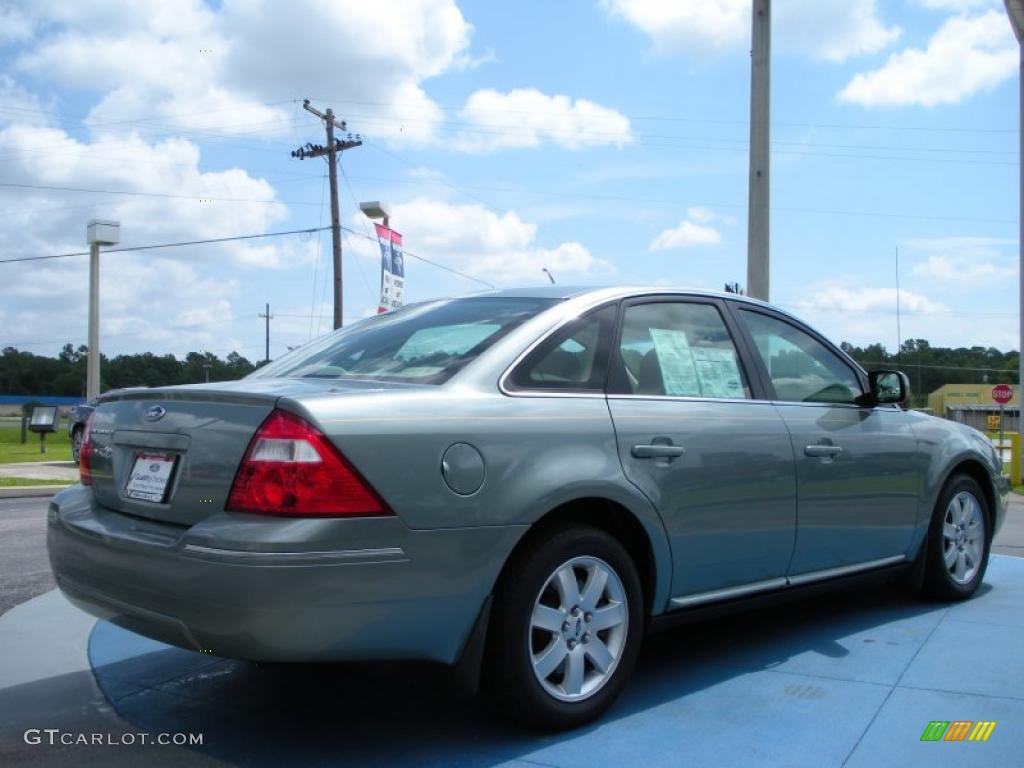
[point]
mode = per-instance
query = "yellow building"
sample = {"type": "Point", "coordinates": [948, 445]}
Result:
{"type": "Point", "coordinates": [949, 395]}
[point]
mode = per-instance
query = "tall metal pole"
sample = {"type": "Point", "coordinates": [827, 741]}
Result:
{"type": "Point", "coordinates": [899, 330]}
{"type": "Point", "coordinates": [760, 116]}
{"type": "Point", "coordinates": [1020, 241]}
{"type": "Point", "coordinates": [332, 163]}
{"type": "Point", "coordinates": [92, 377]}
{"type": "Point", "coordinates": [1015, 12]}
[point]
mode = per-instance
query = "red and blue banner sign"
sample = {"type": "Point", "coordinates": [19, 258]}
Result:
{"type": "Point", "coordinates": [392, 269]}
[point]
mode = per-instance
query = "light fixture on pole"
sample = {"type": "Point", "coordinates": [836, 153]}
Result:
{"type": "Point", "coordinates": [1015, 10]}
{"type": "Point", "coordinates": [375, 209]}
{"type": "Point", "coordinates": [97, 233]}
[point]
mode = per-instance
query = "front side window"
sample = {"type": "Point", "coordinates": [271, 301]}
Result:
{"type": "Point", "coordinates": [801, 368]}
{"type": "Point", "coordinates": [573, 359]}
{"type": "Point", "coordinates": [420, 343]}
{"type": "Point", "coordinates": [679, 349]}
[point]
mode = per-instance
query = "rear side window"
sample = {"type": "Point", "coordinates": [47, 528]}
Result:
{"type": "Point", "coordinates": [679, 349]}
{"type": "Point", "coordinates": [420, 343]}
{"type": "Point", "coordinates": [575, 359]}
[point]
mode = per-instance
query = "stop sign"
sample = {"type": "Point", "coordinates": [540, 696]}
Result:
{"type": "Point", "coordinates": [1002, 393]}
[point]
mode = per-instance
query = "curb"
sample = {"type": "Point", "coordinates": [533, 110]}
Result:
{"type": "Point", "coordinates": [30, 491]}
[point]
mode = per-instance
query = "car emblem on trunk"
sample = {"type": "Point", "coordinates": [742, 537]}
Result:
{"type": "Point", "coordinates": [155, 413]}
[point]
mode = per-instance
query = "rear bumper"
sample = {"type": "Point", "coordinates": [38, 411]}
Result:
{"type": "Point", "coordinates": [274, 589]}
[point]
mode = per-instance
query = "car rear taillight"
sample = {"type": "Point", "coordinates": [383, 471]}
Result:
{"type": "Point", "coordinates": [290, 468]}
{"type": "Point", "coordinates": [85, 453]}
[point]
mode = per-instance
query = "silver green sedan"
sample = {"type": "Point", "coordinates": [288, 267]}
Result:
{"type": "Point", "coordinates": [519, 484]}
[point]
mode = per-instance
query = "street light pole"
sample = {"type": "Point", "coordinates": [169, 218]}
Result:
{"type": "Point", "coordinates": [97, 233]}
{"type": "Point", "coordinates": [92, 376]}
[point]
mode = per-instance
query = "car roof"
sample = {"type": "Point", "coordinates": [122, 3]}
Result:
{"type": "Point", "coordinates": [609, 292]}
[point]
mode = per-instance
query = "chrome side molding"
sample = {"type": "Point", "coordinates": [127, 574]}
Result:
{"type": "Point", "coordinates": [699, 598]}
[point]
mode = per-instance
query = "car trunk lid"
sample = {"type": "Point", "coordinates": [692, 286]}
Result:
{"type": "Point", "coordinates": [171, 453]}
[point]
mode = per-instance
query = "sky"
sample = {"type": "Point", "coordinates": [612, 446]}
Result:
{"type": "Point", "coordinates": [605, 141]}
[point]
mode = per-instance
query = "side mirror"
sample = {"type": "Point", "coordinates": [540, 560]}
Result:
{"type": "Point", "coordinates": [889, 387]}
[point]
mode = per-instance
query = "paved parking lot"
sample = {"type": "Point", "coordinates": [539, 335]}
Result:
{"type": "Point", "coordinates": [850, 679]}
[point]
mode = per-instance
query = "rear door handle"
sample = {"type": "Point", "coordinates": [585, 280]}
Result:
{"type": "Point", "coordinates": [822, 451]}
{"type": "Point", "coordinates": [657, 451]}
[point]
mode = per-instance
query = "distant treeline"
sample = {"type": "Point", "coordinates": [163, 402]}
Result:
{"type": "Point", "coordinates": [23, 373]}
{"type": "Point", "coordinates": [930, 367]}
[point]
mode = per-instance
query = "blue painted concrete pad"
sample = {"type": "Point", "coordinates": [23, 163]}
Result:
{"type": "Point", "coordinates": [850, 679]}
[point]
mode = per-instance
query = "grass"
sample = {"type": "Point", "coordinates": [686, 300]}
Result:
{"type": "Point", "coordinates": [15, 482]}
{"type": "Point", "coordinates": [58, 446]}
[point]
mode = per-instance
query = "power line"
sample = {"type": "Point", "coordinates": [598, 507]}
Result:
{"type": "Point", "coordinates": [426, 260]}
{"type": "Point", "coordinates": [939, 367]}
{"type": "Point", "coordinates": [169, 245]}
{"type": "Point", "coordinates": [194, 197]}
{"type": "Point", "coordinates": [355, 202]}
{"type": "Point", "coordinates": [716, 121]}
{"type": "Point", "coordinates": [308, 230]}
{"type": "Point", "coordinates": [670, 202]}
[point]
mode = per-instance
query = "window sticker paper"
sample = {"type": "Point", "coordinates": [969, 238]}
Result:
{"type": "Point", "coordinates": [678, 372]}
{"type": "Point", "coordinates": [719, 372]}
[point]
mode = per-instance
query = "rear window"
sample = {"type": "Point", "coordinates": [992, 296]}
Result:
{"type": "Point", "coordinates": [421, 343]}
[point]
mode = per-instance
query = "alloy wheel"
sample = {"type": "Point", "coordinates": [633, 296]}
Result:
{"type": "Point", "coordinates": [578, 628]}
{"type": "Point", "coordinates": [963, 537]}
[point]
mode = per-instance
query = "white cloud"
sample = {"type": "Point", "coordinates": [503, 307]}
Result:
{"type": "Point", "coordinates": [957, 5]}
{"type": "Point", "coordinates": [15, 26]}
{"type": "Point", "coordinates": [44, 156]}
{"type": "Point", "coordinates": [964, 261]}
{"type": "Point", "coordinates": [525, 117]}
{"type": "Point", "coordinates": [841, 298]}
{"type": "Point", "coordinates": [966, 55]}
{"type": "Point", "coordinates": [149, 58]}
{"type": "Point", "coordinates": [175, 299]}
{"type": "Point", "coordinates": [834, 30]}
{"type": "Point", "coordinates": [498, 248]}
{"type": "Point", "coordinates": [692, 231]}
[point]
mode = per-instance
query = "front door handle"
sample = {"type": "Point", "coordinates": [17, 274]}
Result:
{"type": "Point", "coordinates": [657, 451]}
{"type": "Point", "coordinates": [822, 451]}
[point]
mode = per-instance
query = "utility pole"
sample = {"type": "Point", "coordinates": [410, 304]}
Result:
{"type": "Point", "coordinates": [1015, 10]}
{"type": "Point", "coordinates": [760, 116]}
{"type": "Point", "coordinates": [332, 150]}
{"type": "Point", "coordinates": [268, 317]}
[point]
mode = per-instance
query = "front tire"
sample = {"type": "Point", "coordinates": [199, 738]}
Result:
{"type": "Point", "coordinates": [958, 541]}
{"type": "Point", "coordinates": [566, 626]}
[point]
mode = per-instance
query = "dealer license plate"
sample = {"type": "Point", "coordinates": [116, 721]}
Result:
{"type": "Point", "coordinates": [149, 477]}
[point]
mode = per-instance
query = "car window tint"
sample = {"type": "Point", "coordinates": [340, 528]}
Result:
{"type": "Point", "coordinates": [420, 343]}
{"type": "Point", "coordinates": [680, 349]}
{"type": "Point", "coordinates": [573, 359]}
{"type": "Point", "coordinates": [801, 368]}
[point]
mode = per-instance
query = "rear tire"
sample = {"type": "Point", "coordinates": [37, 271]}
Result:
{"type": "Point", "coordinates": [76, 444]}
{"type": "Point", "coordinates": [566, 626]}
{"type": "Point", "coordinates": [958, 542]}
